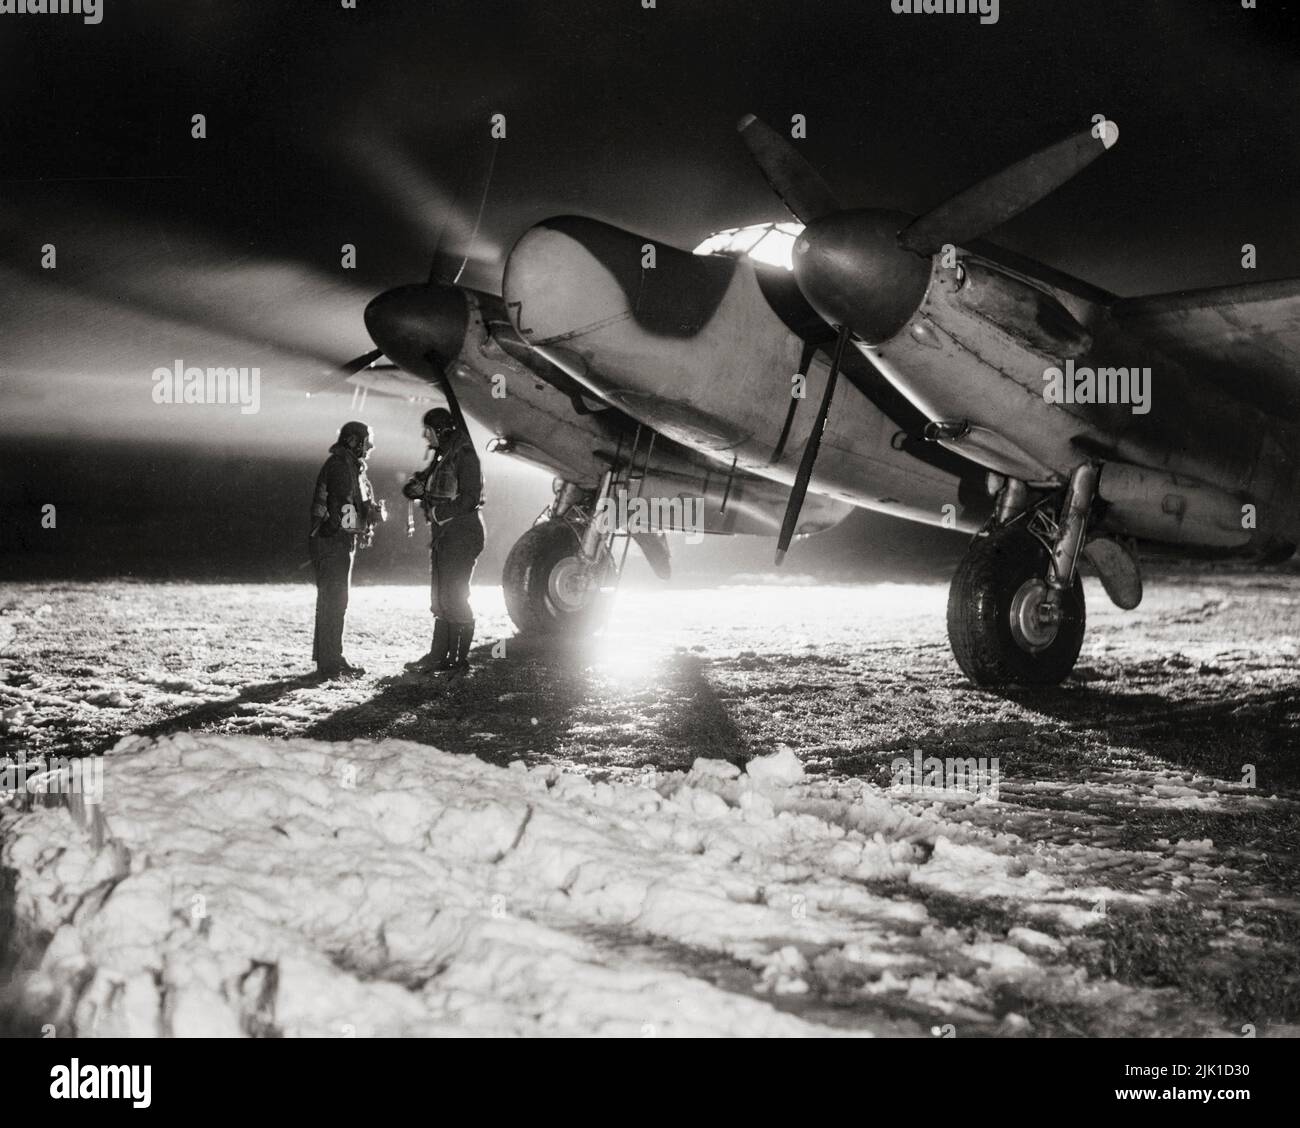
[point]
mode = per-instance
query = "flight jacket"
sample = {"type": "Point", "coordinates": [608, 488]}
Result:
{"type": "Point", "coordinates": [341, 503]}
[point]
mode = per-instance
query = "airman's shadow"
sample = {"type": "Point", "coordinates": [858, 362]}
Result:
{"type": "Point", "coordinates": [701, 725]}
{"type": "Point", "coordinates": [522, 699]}
{"type": "Point", "coordinates": [210, 712]}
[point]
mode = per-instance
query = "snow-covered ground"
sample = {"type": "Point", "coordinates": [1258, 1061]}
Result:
{"type": "Point", "coordinates": [247, 885]}
{"type": "Point", "coordinates": [689, 827]}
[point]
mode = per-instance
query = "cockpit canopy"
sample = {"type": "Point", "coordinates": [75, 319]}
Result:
{"type": "Point", "coordinates": [771, 243]}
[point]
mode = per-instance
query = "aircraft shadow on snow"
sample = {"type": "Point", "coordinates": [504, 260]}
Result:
{"type": "Point", "coordinates": [1212, 735]}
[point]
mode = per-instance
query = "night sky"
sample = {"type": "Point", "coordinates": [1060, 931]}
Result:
{"type": "Point", "coordinates": [328, 126]}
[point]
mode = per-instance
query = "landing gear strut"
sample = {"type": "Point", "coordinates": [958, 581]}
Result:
{"type": "Point", "coordinates": [557, 574]}
{"type": "Point", "coordinates": [1015, 608]}
{"type": "Point", "coordinates": [561, 574]}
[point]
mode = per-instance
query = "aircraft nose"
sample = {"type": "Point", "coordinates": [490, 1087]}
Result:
{"type": "Point", "coordinates": [412, 322]}
{"type": "Point", "coordinates": [568, 273]}
{"type": "Point", "coordinates": [853, 272]}
{"type": "Point", "coordinates": [570, 277]}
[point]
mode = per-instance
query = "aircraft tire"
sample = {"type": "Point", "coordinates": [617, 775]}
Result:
{"type": "Point", "coordinates": [994, 641]}
{"type": "Point", "coordinates": [541, 587]}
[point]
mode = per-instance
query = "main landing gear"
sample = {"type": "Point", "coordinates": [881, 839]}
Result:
{"type": "Point", "coordinates": [561, 575]}
{"type": "Point", "coordinates": [558, 575]}
{"type": "Point", "coordinates": [1015, 608]}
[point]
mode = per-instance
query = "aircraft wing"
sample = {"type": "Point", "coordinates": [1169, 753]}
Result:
{"type": "Point", "coordinates": [1246, 337]}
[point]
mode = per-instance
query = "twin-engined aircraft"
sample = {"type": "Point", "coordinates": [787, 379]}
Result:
{"type": "Point", "coordinates": [897, 363]}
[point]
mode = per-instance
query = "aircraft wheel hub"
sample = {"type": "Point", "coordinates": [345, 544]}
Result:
{"type": "Point", "coordinates": [570, 585]}
{"type": "Point", "coordinates": [1035, 617]}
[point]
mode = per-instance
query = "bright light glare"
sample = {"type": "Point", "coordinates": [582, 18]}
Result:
{"type": "Point", "coordinates": [771, 243]}
{"type": "Point", "coordinates": [626, 662]}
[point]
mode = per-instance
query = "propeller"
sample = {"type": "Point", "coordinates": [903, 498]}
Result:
{"type": "Point", "coordinates": [424, 323]}
{"type": "Point", "coordinates": [800, 488]}
{"type": "Point", "coordinates": [415, 325]}
{"type": "Point", "coordinates": [420, 328]}
{"type": "Point", "coordinates": [436, 274]}
{"type": "Point", "coordinates": [800, 186]}
{"type": "Point", "coordinates": [365, 360]}
{"type": "Point", "coordinates": [334, 376]}
{"type": "Point", "coordinates": [1004, 195]}
{"type": "Point", "coordinates": [859, 270]}
{"type": "Point", "coordinates": [966, 216]}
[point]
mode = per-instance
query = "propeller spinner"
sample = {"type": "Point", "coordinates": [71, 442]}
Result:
{"type": "Point", "coordinates": [422, 329]}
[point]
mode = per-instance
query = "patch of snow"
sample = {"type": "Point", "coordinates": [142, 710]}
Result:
{"type": "Point", "coordinates": [253, 886]}
{"type": "Point", "coordinates": [108, 699]}
{"type": "Point", "coordinates": [1034, 942]}
{"type": "Point", "coordinates": [781, 769]}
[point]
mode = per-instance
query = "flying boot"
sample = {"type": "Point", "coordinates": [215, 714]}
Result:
{"type": "Point", "coordinates": [463, 640]}
{"type": "Point", "coordinates": [462, 634]}
{"type": "Point", "coordinates": [442, 643]}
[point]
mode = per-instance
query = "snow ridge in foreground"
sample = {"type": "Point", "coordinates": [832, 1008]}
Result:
{"type": "Point", "coordinates": [253, 886]}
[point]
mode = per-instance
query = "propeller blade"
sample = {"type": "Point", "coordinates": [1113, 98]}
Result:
{"type": "Point", "coordinates": [329, 381]}
{"type": "Point", "coordinates": [990, 203]}
{"type": "Point", "coordinates": [799, 185]}
{"type": "Point", "coordinates": [800, 488]}
{"type": "Point", "coordinates": [444, 383]}
{"type": "Point", "coordinates": [447, 266]}
{"type": "Point", "coordinates": [365, 360]}
{"type": "Point", "coordinates": [444, 266]}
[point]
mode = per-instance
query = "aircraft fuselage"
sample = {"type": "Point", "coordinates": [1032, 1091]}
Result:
{"type": "Point", "coordinates": [693, 347]}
